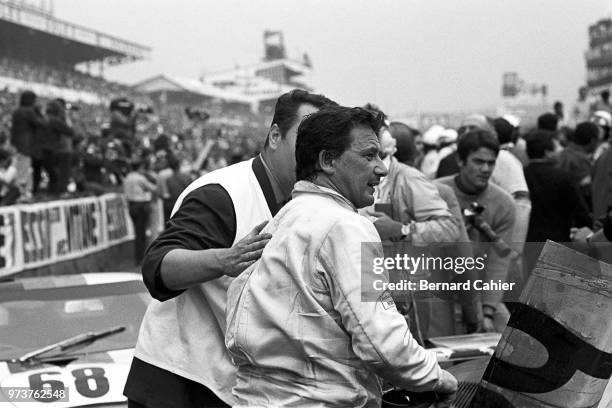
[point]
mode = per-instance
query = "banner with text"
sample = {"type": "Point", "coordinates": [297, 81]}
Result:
{"type": "Point", "coordinates": [40, 234]}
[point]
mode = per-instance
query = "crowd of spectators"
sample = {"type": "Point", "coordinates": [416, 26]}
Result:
{"type": "Point", "coordinates": [60, 76]}
{"type": "Point", "coordinates": [558, 172]}
{"type": "Point", "coordinates": [63, 149]}
{"type": "Point", "coordinates": [51, 149]}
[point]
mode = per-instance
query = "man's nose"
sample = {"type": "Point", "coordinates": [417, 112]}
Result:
{"type": "Point", "coordinates": [487, 167]}
{"type": "Point", "coordinates": [380, 169]}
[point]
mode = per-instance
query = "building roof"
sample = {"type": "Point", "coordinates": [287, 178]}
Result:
{"type": "Point", "coordinates": [292, 67]}
{"type": "Point", "coordinates": [164, 82]}
{"type": "Point", "coordinates": [256, 81]}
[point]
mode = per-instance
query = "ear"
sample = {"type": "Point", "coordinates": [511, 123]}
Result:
{"type": "Point", "coordinates": [460, 162]}
{"type": "Point", "coordinates": [274, 137]}
{"type": "Point", "coordinates": [327, 162]}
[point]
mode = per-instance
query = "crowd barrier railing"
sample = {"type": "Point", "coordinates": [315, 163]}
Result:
{"type": "Point", "coordinates": [35, 235]}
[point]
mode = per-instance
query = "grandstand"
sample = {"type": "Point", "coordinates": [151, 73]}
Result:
{"type": "Point", "coordinates": [40, 51]}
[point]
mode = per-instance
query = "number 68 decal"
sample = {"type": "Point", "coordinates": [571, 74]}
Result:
{"type": "Point", "coordinates": [89, 382]}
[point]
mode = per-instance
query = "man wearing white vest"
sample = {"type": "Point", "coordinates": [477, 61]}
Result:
{"type": "Point", "coordinates": [212, 236]}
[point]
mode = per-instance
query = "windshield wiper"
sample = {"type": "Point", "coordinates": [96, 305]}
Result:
{"type": "Point", "coordinates": [75, 342]}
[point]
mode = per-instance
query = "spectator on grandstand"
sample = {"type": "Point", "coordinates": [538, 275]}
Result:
{"type": "Point", "coordinates": [123, 123]}
{"type": "Point", "coordinates": [93, 169]}
{"type": "Point", "coordinates": [9, 193]}
{"type": "Point", "coordinates": [139, 194]}
{"type": "Point", "coordinates": [557, 203]}
{"type": "Point", "coordinates": [117, 163]}
{"type": "Point", "coordinates": [61, 76]}
{"type": "Point", "coordinates": [576, 157]}
{"type": "Point", "coordinates": [26, 122]}
{"type": "Point", "coordinates": [58, 147]}
{"type": "Point", "coordinates": [38, 158]}
{"type": "Point", "coordinates": [477, 151]}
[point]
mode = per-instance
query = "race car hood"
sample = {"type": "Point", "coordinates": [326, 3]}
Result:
{"type": "Point", "coordinates": [91, 379]}
{"type": "Point", "coordinates": [468, 375]}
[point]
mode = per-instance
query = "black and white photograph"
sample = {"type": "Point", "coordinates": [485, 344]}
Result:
{"type": "Point", "coordinates": [282, 203]}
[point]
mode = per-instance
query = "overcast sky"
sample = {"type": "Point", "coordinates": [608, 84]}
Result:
{"type": "Point", "coordinates": [404, 55]}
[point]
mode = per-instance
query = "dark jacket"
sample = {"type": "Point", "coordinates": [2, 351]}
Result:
{"type": "Point", "coordinates": [556, 203]}
{"type": "Point", "coordinates": [59, 136]}
{"type": "Point", "coordinates": [27, 121]}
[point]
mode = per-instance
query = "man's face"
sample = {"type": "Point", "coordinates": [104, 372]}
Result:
{"type": "Point", "coordinates": [387, 143]}
{"type": "Point", "coordinates": [359, 168]}
{"type": "Point", "coordinates": [286, 147]}
{"type": "Point", "coordinates": [476, 170]}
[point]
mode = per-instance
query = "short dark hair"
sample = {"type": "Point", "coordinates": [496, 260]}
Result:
{"type": "Point", "coordinates": [585, 133]}
{"type": "Point", "coordinates": [538, 142]}
{"type": "Point", "coordinates": [404, 136]}
{"type": "Point", "coordinates": [473, 140]}
{"type": "Point", "coordinates": [329, 130]}
{"type": "Point", "coordinates": [27, 98]}
{"type": "Point", "coordinates": [375, 109]}
{"type": "Point", "coordinates": [505, 131]}
{"type": "Point", "coordinates": [548, 121]}
{"type": "Point", "coordinates": [288, 104]}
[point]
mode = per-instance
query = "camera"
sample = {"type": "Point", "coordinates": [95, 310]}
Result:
{"type": "Point", "coordinates": [141, 108]}
{"type": "Point", "coordinates": [473, 215]}
{"type": "Point", "coordinates": [122, 105]}
{"type": "Point", "coordinates": [196, 114]}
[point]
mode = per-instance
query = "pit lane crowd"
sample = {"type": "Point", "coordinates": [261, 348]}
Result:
{"type": "Point", "coordinates": [260, 264]}
{"type": "Point", "coordinates": [234, 324]}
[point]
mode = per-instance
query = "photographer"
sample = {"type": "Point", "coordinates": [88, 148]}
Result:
{"type": "Point", "coordinates": [477, 152]}
{"type": "Point", "coordinates": [58, 147]}
{"type": "Point", "coordinates": [123, 123]}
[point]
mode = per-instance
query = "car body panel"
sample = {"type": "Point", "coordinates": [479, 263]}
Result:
{"type": "Point", "coordinates": [93, 375]}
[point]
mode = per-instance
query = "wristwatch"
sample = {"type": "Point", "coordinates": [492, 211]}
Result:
{"type": "Point", "coordinates": [407, 230]}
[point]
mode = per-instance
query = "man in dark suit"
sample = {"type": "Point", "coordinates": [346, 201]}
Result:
{"type": "Point", "coordinates": [556, 202]}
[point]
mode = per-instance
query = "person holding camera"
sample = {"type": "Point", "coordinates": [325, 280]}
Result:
{"type": "Point", "coordinates": [123, 123]}
{"type": "Point", "coordinates": [477, 152]}
{"type": "Point", "coordinates": [58, 147]}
